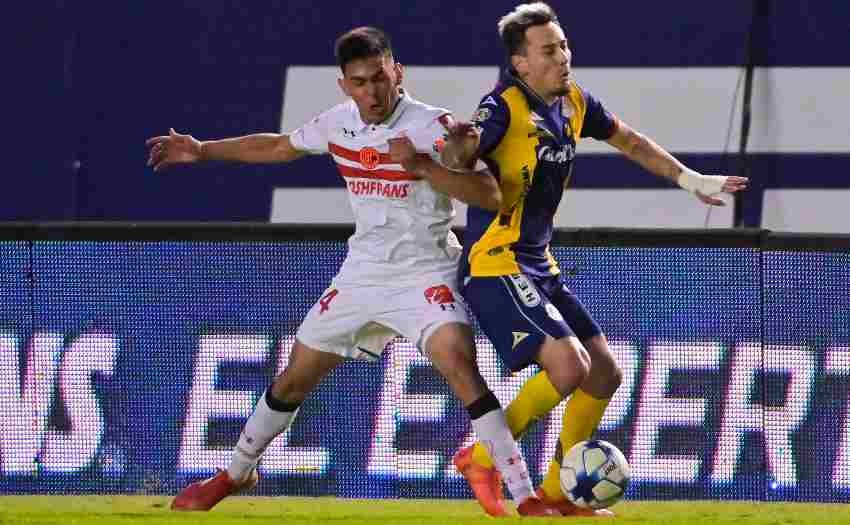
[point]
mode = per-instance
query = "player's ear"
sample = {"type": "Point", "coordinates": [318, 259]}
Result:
{"type": "Point", "coordinates": [520, 64]}
{"type": "Point", "coordinates": [399, 73]}
{"type": "Point", "coordinates": [343, 86]}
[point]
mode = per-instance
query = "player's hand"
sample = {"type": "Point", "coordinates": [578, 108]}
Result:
{"type": "Point", "coordinates": [173, 148]}
{"type": "Point", "coordinates": [730, 185]}
{"type": "Point", "coordinates": [706, 187]}
{"type": "Point", "coordinates": [462, 139]}
{"type": "Point", "coordinates": [402, 151]}
{"type": "Point", "coordinates": [459, 130]}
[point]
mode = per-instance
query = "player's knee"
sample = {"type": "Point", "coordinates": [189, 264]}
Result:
{"type": "Point", "coordinates": [458, 368]}
{"type": "Point", "coordinates": [611, 372]}
{"type": "Point", "coordinates": [616, 378]}
{"type": "Point", "coordinates": [452, 352]}
{"type": "Point", "coordinates": [289, 388]}
{"type": "Point", "coordinates": [451, 349]}
{"type": "Point", "coordinates": [567, 364]}
{"type": "Point", "coordinates": [606, 381]}
{"type": "Point", "coordinates": [578, 359]}
{"type": "Point", "coordinates": [604, 368]}
{"type": "Point", "coordinates": [581, 367]}
{"type": "Point", "coordinates": [289, 394]}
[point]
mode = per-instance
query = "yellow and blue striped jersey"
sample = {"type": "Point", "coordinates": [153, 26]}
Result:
{"type": "Point", "coordinates": [529, 147]}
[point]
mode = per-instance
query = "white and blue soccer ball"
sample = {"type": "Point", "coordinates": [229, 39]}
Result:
{"type": "Point", "coordinates": [594, 474]}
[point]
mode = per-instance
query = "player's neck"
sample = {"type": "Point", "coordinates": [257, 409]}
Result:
{"type": "Point", "coordinates": [547, 100]}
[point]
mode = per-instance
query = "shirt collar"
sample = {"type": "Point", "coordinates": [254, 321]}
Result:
{"type": "Point", "coordinates": [402, 103]}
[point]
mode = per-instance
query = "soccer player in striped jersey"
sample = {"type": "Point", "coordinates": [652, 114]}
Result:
{"type": "Point", "coordinates": [399, 276]}
{"type": "Point", "coordinates": [526, 132]}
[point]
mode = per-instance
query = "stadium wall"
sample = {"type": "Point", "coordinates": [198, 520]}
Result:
{"type": "Point", "coordinates": [131, 354]}
{"type": "Point", "coordinates": [94, 81]}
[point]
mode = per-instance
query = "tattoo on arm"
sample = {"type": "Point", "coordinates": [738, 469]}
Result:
{"type": "Point", "coordinates": [644, 151]}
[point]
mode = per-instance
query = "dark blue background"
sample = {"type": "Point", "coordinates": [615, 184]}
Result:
{"type": "Point", "coordinates": [87, 83]}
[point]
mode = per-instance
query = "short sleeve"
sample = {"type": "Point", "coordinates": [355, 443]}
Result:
{"type": "Point", "coordinates": [598, 122]}
{"type": "Point", "coordinates": [312, 137]}
{"type": "Point", "coordinates": [492, 119]}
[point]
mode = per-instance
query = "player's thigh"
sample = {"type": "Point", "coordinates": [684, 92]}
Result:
{"type": "Point", "coordinates": [515, 315]}
{"type": "Point", "coordinates": [433, 316]}
{"type": "Point", "coordinates": [451, 349]}
{"type": "Point", "coordinates": [343, 322]}
{"type": "Point", "coordinates": [304, 370]}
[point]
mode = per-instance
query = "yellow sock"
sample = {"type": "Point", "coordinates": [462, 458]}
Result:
{"type": "Point", "coordinates": [581, 417]}
{"type": "Point", "coordinates": [534, 400]}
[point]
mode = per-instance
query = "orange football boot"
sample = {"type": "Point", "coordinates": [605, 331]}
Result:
{"type": "Point", "coordinates": [486, 483]}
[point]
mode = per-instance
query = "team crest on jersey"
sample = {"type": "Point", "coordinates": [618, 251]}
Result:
{"type": "Point", "coordinates": [489, 101]}
{"type": "Point", "coordinates": [481, 115]}
{"type": "Point", "coordinates": [370, 158]}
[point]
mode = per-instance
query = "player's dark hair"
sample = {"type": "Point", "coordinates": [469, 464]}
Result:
{"type": "Point", "coordinates": [361, 42]}
{"type": "Point", "coordinates": [512, 26]}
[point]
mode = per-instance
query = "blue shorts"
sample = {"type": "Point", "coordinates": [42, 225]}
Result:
{"type": "Point", "coordinates": [518, 311]}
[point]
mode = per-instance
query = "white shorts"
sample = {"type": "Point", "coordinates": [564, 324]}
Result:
{"type": "Point", "coordinates": [357, 322]}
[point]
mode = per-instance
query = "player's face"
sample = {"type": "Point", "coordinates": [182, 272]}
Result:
{"type": "Point", "coordinates": [546, 63]}
{"type": "Point", "coordinates": [372, 83]}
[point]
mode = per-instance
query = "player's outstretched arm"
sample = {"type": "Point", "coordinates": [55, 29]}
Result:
{"type": "Point", "coordinates": [176, 148]}
{"type": "Point", "coordinates": [477, 188]}
{"type": "Point", "coordinates": [655, 159]}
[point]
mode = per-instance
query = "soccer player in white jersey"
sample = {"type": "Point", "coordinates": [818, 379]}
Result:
{"type": "Point", "coordinates": [399, 276]}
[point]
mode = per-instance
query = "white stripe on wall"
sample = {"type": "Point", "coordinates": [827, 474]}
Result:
{"type": "Point", "coordinates": [807, 211]}
{"type": "Point", "coordinates": [795, 110]}
{"type": "Point", "coordinates": [311, 206]}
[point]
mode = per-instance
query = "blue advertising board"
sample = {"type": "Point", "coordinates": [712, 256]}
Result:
{"type": "Point", "coordinates": [130, 367]}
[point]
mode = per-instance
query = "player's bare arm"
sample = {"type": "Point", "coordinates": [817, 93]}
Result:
{"type": "Point", "coordinates": [478, 188]}
{"type": "Point", "coordinates": [177, 148]}
{"type": "Point", "coordinates": [644, 151]}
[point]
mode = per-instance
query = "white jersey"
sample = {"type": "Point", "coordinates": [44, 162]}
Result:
{"type": "Point", "coordinates": [402, 224]}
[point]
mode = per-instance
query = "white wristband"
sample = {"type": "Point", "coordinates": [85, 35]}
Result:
{"type": "Point", "coordinates": [705, 184]}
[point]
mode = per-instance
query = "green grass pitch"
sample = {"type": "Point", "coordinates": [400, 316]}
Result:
{"type": "Point", "coordinates": [153, 510]}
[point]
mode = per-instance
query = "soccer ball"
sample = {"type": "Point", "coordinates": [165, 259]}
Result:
{"type": "Point", "coordinates": [594, 474]}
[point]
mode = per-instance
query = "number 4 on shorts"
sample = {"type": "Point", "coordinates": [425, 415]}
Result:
{"type": "Point", "coordinates": [326, 299]}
